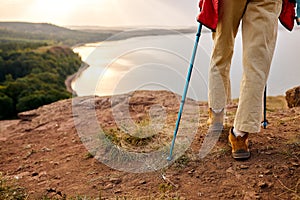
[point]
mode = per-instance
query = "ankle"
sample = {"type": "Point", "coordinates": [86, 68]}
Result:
{"type": "Point", "coordinates": [298, 20]}
{"type": "Point", "coordinates": [216, 116]}
{"type": "Point", "coordinates": [238, 133]}
{"type": "Point", "coordinates": [217, 111]}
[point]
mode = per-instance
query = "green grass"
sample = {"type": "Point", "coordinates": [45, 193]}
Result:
{"type": "Point", "coordinates": [139, 138]}
{"type": "Point", "coordinates": [182, 162]}
{"type": "Point", "coordinates": [10, 190]}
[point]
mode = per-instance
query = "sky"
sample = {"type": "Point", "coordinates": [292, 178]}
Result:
{"type": "Point", "coordinates": [102, 12]}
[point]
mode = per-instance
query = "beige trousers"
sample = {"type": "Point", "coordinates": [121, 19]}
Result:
{"type": "Point", "coordinates": [259, 33]}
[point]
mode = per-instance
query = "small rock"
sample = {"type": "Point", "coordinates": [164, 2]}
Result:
{"type": "Point", "coordinates": [268, 153]}
{"type": "Point", "coordinates": [50, 190]}
{"type": "Point", "coordinates": [28, 115]}
{"type": "Point", "coordinates": [191, 171]}
{"type": "Point", "coordinates": [244, 167]}
{"type": "Point", "coordinates": [34, 174]}
{"type": "Point", "coordinates": [115, 180]}
{"type": "Point", "coordinates": [259, 166]}
{"type": "Point", "coordinates": [21, 175]}
{"type": "Point", "coordinates": [143, 182]}
{"type": "Point", "coordinates": [45, 149]}
{"type": "Point", "coordinates": [251, 195]}
{"type": "Point", "coordinates": [262, 184]}
{"type": "Point", "coordinates": [118, 191]}
{"type": "Point", "coordinates": [108, 187]}
{"type": "Point", "coordinates": [293, 96]}
{"type": "Point", "coordinates": [43, 173]}
{"type": "Point", "coordinates": [54, 163]}
{"type": "Point", "coordinates": [40, 183]}
{"type": "Point", "coordinates": [230, 170]}
{"type": "Point", "coordinates": [20, 168]}
{"type": "Point", "coordinates": [269, 166]}
{"type": "Point", "coordinates": [295, 164]}
{"type": "Point", "coordinates": [28, 146]}
{"type": "Point", "coordinates": [267, 172]}
{"type": "Point", "coordinates": [53, 190]}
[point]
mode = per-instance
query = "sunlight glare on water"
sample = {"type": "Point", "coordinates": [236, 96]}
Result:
{"type": "Point", "coordinates": [161, 63]}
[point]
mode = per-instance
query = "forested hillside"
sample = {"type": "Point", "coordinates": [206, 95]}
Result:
{"type": "Point", "coordinates": [33, 74]}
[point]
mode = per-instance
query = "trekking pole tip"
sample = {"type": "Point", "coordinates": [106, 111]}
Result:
{"type": "Point", "coordinates": [264, 124]}
{"type": "Point", "coordinates": [169, 158]}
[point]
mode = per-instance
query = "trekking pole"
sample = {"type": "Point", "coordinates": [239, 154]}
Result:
{"type": "Point", "coordinates": [265, 122]}
{"type": "Point", "coordinates": [185, 89]}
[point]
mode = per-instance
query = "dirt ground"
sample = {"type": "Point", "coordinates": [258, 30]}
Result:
{"type": "Point", "coordinates": [43, 153]}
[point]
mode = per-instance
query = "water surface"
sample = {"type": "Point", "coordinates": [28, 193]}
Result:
{"type": "Point", "coordinates": [161, 63]}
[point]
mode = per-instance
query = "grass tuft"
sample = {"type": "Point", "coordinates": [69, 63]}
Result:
{"type": "Point", "coordinates": [10, 191]}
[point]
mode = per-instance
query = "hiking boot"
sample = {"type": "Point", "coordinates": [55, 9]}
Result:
{"type": "Point", "coordinates": [215, 118]}
{"type": "Point", "coordinates": [215, 123]}
{"type": "Point", "coordinates": [239, 145]}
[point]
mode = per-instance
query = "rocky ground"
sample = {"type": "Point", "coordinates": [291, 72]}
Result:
{"type": "Point", "coordinates": [45, 152]}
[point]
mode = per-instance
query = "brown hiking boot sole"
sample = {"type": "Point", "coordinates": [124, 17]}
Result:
{"type": "Point", "coordinates": [241, 155]}
{"type": "Point", "coordinates": [239, 145]}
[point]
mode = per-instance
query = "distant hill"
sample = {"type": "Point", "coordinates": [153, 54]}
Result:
{"type": "Point", "coordinates": [47, 32]}
{"type": "Point", "coordinates": [20, 31]}
{"type": "Point", "coordinates": [35, 28]}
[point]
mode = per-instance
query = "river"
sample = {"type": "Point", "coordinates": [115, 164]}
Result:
{"type": "Point", "coordinates": [161, 63]}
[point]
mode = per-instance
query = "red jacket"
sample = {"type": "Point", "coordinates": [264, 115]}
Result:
{"type": "Point", "coordinates": [209, 14]}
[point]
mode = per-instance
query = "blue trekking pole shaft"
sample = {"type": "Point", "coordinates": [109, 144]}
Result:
{"type": "Point", "coordinates": [188, 78]}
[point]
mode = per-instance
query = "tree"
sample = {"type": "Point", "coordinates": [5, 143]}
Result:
{"type": "Point", "coordinates": [33, 77]}
{"type": "Point", "coordinates": [6, 106]}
